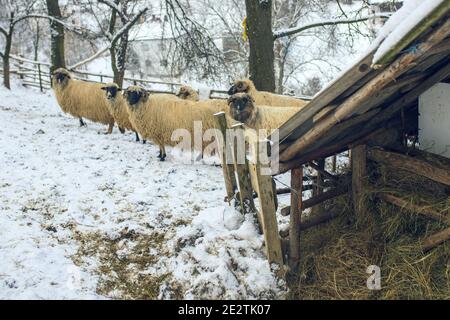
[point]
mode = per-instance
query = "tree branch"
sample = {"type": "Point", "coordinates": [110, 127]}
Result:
{"type": "Point", "coordinates": [116, 8]}
{"type": "Point", "coordinates": [114, 40]}
{"type": "Point", "coordinates": [291, 31]}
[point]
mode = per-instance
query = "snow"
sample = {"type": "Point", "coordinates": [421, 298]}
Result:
{"type": "Point", "coordinates": [85, 215]}
{"type": "Point", "coordinates": [400, 23]}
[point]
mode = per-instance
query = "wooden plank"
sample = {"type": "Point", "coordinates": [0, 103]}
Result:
{"type": "Point", "coordinates": [295, 218]}
{"type": "Point", "coordinates": [312, 221]}
{"type": "Point", "coordinates": [408, 205]}
{"type": "Point", "coordinates": [440, 11]}
{"type": "Point", "coordinates": [359, 173]}
{"type": "Point", "coordinates": [350, 105]}
{"type": "Point", "coordinates": [225, 150]}
{"type": "Point", "coordinates": [267, 212]}
{"type": "Point", "coordinates": [436, 239]}
{"type": "Point", "coordinates": [242, 172]}
{"type": "Point", "coordinates": [411, 164]}
{"type": "Point", "coordinates": [358, 71]}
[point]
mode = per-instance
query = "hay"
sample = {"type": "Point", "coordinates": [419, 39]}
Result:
{"type": "Point", "coordinates": [335, 256]}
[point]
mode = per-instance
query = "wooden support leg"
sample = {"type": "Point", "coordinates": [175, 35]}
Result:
{"type": "Point", "coordinates": [334, 163]}
{"type": "Point", "coordinates": [358, 160]}
{"type": "Point", "coordinates": [266, 196]}
{"type": "Point", "coordinates": [228, 168]}
{"type": "Point", "coordinates": [242, 172]}
{"type": "Point", "coordinates": [295, 218]}
{"type": "Point", "coordinates": [319, 182]}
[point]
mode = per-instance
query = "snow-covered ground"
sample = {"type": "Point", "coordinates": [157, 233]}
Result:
{"type": "Point", "coordinates": [86, 215]}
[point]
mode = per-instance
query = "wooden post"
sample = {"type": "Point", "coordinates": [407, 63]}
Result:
{"type": "Point", "coordinates": [228, 169]}
{"type": "Point", "coordinates": [319, 181]}
{"type": "Point", "coordinates": [242, 172]}
{"type": "Point", "coordinates": [334, 163]}
{"type": "Point", "coordinates": [358, 160]}
{"type": "Point", "coordinates": [267, 212]}
{"type": "Point", "coordinates": [295, 218]}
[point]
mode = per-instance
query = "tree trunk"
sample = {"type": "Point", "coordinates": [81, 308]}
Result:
{"type": "Point", "coordinates": [57, 36]}
{"type": "Point", "coordinates": [6, 66]}
{"type": "Point", "coordinates": [260, 36]}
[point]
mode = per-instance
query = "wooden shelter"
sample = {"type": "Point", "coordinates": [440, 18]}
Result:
{"type": "Point", "coordinates": [371, 111]}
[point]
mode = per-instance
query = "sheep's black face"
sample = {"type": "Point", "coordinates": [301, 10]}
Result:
{"type": "Point", "coordinates": [238, 86]}
{"type": "Point", "coordinates": [111, 92]}
{"type": "Point", "coordinates": [134, 96]}
{"type": "Point", "coordinates": [241, 107]}
{"type": "Point", "coordinates": [61, 78]}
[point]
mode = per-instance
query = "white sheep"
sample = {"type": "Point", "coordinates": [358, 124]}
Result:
{"type": "Point", "coordinates": [81, 99]}
{"type": "Point", "coordinates": [158, 116]}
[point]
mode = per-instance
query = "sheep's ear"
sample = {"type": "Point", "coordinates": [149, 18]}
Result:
{"type": "Point", "coordinates": [104, 88]}
{"type": "Point", "coordinates": [229, 101]}
{"type": "Point", "coordinates": [145, 95]}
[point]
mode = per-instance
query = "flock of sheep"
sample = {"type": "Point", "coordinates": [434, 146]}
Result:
{"type": "Point", "coordinates": [156, 116]}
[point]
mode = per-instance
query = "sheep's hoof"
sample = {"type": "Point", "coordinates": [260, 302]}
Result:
{"type": "Point", "coordinates": [82, 123]}
{"type": "Point", "coordinates": [122, 130]}
{"type": "Point", "coordinates": [144, 141]}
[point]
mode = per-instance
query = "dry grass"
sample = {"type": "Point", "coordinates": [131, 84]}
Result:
{"type": "Point", "coordinates": [124, 263]}
{"type": "Point", "coordinates": [336, 255]}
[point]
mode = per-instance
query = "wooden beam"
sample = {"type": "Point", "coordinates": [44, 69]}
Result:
{"type": "Point", "coordinates": [411, 164]}
{"type": "Point", "coordinates": [242, 172]}
{"type": "Point", "coordinates": [335, 148]}
{"type": "Point", "coordinates": [266, 196]}
{"type": "Point", "coordinates": [436, 239]}
{"type": "Point", "coordinates": [359, 173]}
{"type": "Point", "coordinates": [295, 218]}
{"type": "Point", "coordinates": [314, 201]}
{"type": "Point", "coordinates": [228, 169]}
{"type": "Point", "coordinates": [426, 23]}
{"type": "Point", "coordinates": [312, 221]}
{"type": "Point", "coordinates": [401, 65]}
{"type": "Point", "coordinates": [321, 169]}
{"type": "Point", "coordinates": [408, 205]}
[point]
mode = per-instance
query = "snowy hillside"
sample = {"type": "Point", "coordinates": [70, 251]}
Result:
{"type": "Point", "coordinates": [85, 215]}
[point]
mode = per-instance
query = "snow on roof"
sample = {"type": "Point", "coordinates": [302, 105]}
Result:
{"type": "Point", "coordinates": [401, 23]}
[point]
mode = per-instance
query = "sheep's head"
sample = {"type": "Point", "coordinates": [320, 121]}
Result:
{"type": "Point", "coordinates": [241, 107]}
{"type": "Point", "coordinates": [135, 95]}
{"type": "Point", "coordinates": [111, 90]}
{"type": "Point", "coordinates": [61, 77]}
{"type": "Point", "coordinates": [241, 86]}
{"type": "Point", "coordinates": [187, 93]}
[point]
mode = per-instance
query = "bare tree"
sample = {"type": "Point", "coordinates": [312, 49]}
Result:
{"type": "Point", "coordinates": [57, 36]}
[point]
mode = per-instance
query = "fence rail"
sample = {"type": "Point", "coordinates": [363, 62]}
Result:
{"type": "Point", "coordinates": [37, 74]}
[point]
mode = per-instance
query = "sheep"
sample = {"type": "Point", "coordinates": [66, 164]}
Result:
{"type": "Point", "coordinates": [263, 97]}
{"type": "Point", "coordinates": [118, 109]}
{"type": "Point", "coordinates": [242, 108]}
{"type": "Point", "coordinates": [81, 99]}
{"type": "Point", "coordinates": [157, 116]}
{"type": "Point", "coordinates": [188, 93]}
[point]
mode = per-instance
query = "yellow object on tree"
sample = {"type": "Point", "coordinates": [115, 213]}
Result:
{"type": "Point", "coordinates": [244, 33]}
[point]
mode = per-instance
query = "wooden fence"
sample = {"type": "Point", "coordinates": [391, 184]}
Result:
{"type": "Point", "coordinates": [37, 74]}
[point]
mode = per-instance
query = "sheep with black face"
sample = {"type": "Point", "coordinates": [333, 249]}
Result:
{"type": "Point", "coordinates": [118, 107]}
{"type": "Point", "coordinates": [158, 116]}
{"type": "Point", "coordinates": [263, 97]}
{"type": "Point", "coordinates": [242, 108]}
{"type": "Point", "coordinates": [81, 99]}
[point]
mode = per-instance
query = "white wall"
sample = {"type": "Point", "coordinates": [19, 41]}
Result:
{"type": "Point", "coordinates": [434, 120]}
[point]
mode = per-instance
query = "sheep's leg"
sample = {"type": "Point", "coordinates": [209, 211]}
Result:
{"type": "Point", "coordinates": [110, 128]}
{"type": "Point", "coordinates": [137, 137]}
{"type": "Point", "coordinates": [122, 130]}
{"type": "Point", "coordinates": [144, 141]}
{"type": "Point", "coordinates": [162, 153]}
{"type": "Point", "coordinates": [82, 123]}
